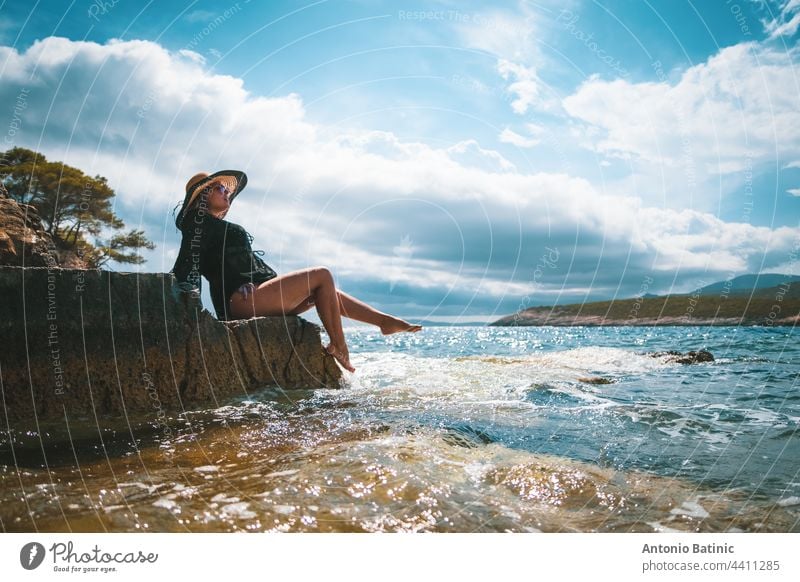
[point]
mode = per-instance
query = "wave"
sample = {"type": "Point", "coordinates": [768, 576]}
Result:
{"type": "Point", "coordinates": [424, 480]}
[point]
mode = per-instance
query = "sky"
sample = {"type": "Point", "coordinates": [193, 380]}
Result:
{"type": "Point", "coordinates": [448, 161]}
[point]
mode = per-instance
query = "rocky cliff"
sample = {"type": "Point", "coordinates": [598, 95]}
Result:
{"type": "Point", "coordinates": [25, 243]}
{"type": "Point", "coordinates": [23, 240]}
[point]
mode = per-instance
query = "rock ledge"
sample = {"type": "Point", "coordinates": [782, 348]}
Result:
{"type": "Point", "coordinates": [97, 344]}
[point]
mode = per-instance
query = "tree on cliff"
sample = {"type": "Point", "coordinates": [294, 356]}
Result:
{"type": "Point", "coordinates": [72, 206]}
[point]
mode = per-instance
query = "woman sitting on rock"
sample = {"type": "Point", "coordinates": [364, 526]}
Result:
{"type": "Point", "coordinates": [242, 285]}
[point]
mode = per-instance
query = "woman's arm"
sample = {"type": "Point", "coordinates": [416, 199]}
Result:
{"type": "Point", "coordinates": [187, 268]}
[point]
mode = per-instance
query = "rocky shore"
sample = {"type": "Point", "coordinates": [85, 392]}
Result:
{"type": "Point", "coordinates": [760, 312]}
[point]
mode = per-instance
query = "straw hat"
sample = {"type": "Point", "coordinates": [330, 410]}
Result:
{"type": "Point", "coordinates": [234, 180]}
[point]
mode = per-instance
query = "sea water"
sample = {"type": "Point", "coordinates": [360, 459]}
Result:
{"type": "Point", "coordinates": [462, 429]}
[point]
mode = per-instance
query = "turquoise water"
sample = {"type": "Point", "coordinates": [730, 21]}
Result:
{"type": "Point", "coordinates": [462, 429]}
{"type": "Point", "coordinates": [731, 423]}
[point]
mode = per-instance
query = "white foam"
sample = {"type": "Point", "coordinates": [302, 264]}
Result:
{"type": "Point", "coordinates": [134, 484]}
{"type": "Point", "coordinates": [766, 417]}
{"type": "Point", "coordinates": [165, 503]}
{"type": "Point", "coordinates": [488, 377]}
{"type": "Point", "coordinates": [598, 360]}
{"type": "Point", "coordinates": [690, 509]}
{"type": "Point", "coordinates": [282, 473]}
{"type": "Point", "coordinates": [240, 510]}
{"type": "Point", "coordinates": [148, 488]}
{"type": "Point", "coordinates": [659, 527]}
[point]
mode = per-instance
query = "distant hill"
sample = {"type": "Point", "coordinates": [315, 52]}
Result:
{"type": "Point", "coordinates": [748, 283]}
{"type": "Point", "coordinates": [776, 305]}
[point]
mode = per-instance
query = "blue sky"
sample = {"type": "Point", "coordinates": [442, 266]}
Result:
{"type": "Point", "coordinates": [446, 159]}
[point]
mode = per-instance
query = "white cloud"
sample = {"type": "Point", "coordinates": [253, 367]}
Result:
{"type": "Point", "coordinates": [788, 268]}
{"type": "Point", "coordinates": [695, 240]}
{"type": "Point", "coordinates": [512, 137]}
{"type": "Point", "coordinates": [787, 21]}
{"type": "Point", "coordinates": [469, 153]}
{"type": "Point", "coordinates": [505, 34]}
{"type": "Point", "coordinates": [525, 85]}
{"type": "Point", "coordinates": [193, 56]}
{"type": "Point", "coordinates": [511, 36]}
{"type": "Point", "coordinates": [380, 143]}
{"type": "Point", "coordinates": [148, 119]}
{"type": "Point", "coordinates": [199, 16]}
{"type": "Point", "coordinates": [794, 191]}
{"type": "Point", "coordinates": [736, 109]}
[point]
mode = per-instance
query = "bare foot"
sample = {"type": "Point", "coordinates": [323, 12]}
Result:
{"type": "Point", "coordinates": [342, 356]}
{"type": "Point", "coordinates": [395, 325]}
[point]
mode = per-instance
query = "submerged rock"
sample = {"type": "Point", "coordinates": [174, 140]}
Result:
{"type": "Point", "coordinates": [595, 380]}
{"type": "Point", "coordinates": [691, 357]}
{"type": "Point", "coordinates": [89, 344]}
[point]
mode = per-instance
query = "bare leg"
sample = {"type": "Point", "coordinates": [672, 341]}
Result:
{"type": "Point", "coordinates": [353, 308]}
{"type": "Point", "coordinates": [360, 311]}
{"type": "Point", "coordinates": [286, 293]}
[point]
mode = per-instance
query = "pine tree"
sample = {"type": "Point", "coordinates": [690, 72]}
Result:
{"type": "Point", "coordinates": [73, 207]}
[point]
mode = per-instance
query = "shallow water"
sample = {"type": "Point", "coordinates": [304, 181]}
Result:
{"type": "Point", "coordinates": [458, 429]}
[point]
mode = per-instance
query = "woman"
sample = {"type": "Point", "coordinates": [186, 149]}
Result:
{"type": "Point", "coordinates": [242, 285]}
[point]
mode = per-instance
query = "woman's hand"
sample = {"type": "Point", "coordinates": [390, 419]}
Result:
{"type": "Point", "coordinates": [246, 289]}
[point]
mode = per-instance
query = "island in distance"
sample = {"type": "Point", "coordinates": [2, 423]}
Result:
{"type": "Point", "coordinates": [767, 300]}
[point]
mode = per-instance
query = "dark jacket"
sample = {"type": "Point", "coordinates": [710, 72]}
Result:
{"type": "Point", "coordinates": [220, 251]}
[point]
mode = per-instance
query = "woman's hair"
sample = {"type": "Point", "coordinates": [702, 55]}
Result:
{"type": "Point", "coordinates": [177, 219]}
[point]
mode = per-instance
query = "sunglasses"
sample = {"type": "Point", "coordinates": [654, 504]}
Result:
{"type": "Point", "coordinates": [220, 188]}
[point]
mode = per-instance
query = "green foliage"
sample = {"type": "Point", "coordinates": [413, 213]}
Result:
{"type": "Point", "coordinates": [133, 239]}
{"type": "Point", "coordinates": [72, 206]}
